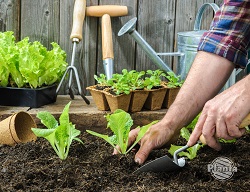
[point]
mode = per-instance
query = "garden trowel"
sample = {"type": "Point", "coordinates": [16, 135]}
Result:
{"type": "Point", "coordinates": [166, 164]}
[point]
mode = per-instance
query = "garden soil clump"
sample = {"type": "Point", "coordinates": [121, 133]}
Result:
{"type": "Point", "coordinates": [91, 167]}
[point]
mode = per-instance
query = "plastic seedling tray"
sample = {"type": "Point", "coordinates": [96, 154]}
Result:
{"type": "Point", "coordinates": [26, 97]}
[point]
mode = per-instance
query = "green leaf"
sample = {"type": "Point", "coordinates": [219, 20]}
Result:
{"type": "Point", "coordinates": [42, 132]}
{"type": "Point", "coordinates": [191, 152]}
{"type": "Point", "coordinates": [47, 119]}
{"type": "Point", "coordinates": [185, 133]}
{"type": "Point", "coordinates": [141, 133]}
{"type": "Point", "coordinates": [62, 140]}
{"type": "Point", "coordinates": [120, 123]}
{"type": "Point", "coordinates": [108, 139]}
{"type": "Point", "coordinates": [64, 117]}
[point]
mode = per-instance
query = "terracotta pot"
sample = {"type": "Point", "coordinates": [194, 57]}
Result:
{"type": "Point", "coordinates": [118, 101]}
{"type": "Point", "coordinates": [99, 98]}
{"type": "Point", "coordinates": [155, 98]}
{"type": "Point", "coordinates": [17, 129]}
{"type": "Point", "coordinates": [138, 98]}
{"type": "Point", "coordinates": [170, 97]}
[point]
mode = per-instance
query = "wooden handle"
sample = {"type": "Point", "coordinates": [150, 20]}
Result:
{"type": "Point", "coordinates": [244, 123]}
{"type": "Point", "coordinates": [107, 43]}
{"type": "Point", "coordinates": [78, 19]}
{"type": "Point", "coordinates": [112, 10]}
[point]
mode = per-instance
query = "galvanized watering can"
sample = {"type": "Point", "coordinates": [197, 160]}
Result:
{"type": "Point", "coordinates": [187, 45]}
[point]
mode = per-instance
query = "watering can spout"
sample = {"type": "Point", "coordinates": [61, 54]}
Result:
{"type": "Point", "coordinates": [129, 28]}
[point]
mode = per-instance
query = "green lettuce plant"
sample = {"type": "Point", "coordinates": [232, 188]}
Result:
{"type": "Point", "coordinates": [60, 135]}
{"type": "Point", "coordinates": [153, 78]}
{"type": "Point", "coordinates": [173, 81]}
{"type": "Point", "coordinates": [185, 133]}
{"type": "Point", "coordinates": [101, 80]}
{"type": "Point", "coordinates": [120, 123]}
{"type": "Point", "coordinates": [29, 64]}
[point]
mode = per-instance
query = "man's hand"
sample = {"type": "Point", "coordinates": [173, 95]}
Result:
{"type": "Point", "coordinates": [222, 115]}
{"type": "Point", "coordinates": [157, 136]}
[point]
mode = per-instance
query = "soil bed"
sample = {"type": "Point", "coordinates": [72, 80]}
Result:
{"type": "Point", "coordinates": [92, 167]}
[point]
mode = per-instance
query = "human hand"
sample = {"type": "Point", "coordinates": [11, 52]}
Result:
{"type": "Point", "coordinates": [157, 136]}
{"type": "Point", "coordinates": [222, 116]}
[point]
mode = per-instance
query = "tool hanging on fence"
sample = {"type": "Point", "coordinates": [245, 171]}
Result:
{"type": "Point", "coordinates": [76, 37]}
{"type": "Point", "coordinates": [105, 12]}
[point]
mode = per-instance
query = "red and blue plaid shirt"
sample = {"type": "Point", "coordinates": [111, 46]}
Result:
{"type": "Point", "coordinates": [229, 34]}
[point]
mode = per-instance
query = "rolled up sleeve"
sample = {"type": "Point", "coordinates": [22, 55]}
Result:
{"type": "Point", "coordinates": [229, 34]}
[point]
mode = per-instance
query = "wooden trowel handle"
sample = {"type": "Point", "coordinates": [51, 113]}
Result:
{"type": "Point", "coordinates": [107, 43]}
{"type": "Point", "coordinates": [244, 123]}
{"type": "Point", "coordinates": [78, 18]}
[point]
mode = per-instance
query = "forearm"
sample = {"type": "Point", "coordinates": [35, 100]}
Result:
{"type": "Point", "coordinates": [207, 76]}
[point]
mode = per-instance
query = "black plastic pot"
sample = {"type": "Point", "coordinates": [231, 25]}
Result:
{"type": "Point", "coordinates": [26, 97]}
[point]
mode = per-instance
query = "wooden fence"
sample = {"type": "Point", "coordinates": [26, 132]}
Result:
{"type": "Point", "coordinates": [51, 21]}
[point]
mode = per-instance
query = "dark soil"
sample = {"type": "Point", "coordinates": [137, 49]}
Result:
{"type": "Point", "coordinates": [92, 167]}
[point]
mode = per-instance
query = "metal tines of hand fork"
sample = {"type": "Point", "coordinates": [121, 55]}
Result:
{"type": "Point", "coordinates": [70, 69]}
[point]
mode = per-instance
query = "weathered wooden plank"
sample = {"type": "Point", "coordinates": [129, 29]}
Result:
{"type": "Point", "coordinates": [41, 21]}
{"type": "Point", "coordinates": [124, 46]}
{"type": "Point", "coordinates": [82, 115]}
{"type": "Point", "coordinates": [156, 20]}
{"type": "Point", "coordinates": [10, 16]}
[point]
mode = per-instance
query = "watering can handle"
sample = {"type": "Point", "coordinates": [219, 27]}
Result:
{"type": "Point", "coordinates": [197, 23]}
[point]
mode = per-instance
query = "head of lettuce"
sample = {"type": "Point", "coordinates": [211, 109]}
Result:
{"type": "Point", "coordinates": [29, 64]}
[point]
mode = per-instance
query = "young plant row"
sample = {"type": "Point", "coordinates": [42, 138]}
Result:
{"type": "Point", "coordinates": [132, 80]}
{"type": "Point", "coordinates": [61, 134]}
{"type": "Point", "coordinates": [133, 91]}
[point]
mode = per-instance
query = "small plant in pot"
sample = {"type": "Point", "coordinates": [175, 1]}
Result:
{"type": "Point", "coordinates": [139, 93]}
{"type": "Point", "coordinates": [157, 91]}
{"type": "Point", "coordinates": [119, 94]}
{"type": "Point", "coordinates": [173, 86]}
{"type": "Point", "coordinates": [29, 72]}
{"type": "Point", "coordinates": [97, 92]}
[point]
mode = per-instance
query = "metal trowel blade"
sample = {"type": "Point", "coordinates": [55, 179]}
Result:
{"type": "Point", "coordinates": [162, 164]}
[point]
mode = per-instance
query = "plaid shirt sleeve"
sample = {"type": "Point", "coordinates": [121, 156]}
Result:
{"type": "Point", "coordinates": [229, 34]}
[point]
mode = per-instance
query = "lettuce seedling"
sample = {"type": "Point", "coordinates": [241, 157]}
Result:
{"type": "Point", "coordinates": [191, 152]}
{"type": "Point", "coordinates": [59, 136]}
{"type": "Point", "coordinates": [185, 133]}
{"type": "Point", "coordinates": [120, 123]}
{"type": "Point", "coordinates": [173, 81]}
{"type": "Point", "coordinates": [153, 79]}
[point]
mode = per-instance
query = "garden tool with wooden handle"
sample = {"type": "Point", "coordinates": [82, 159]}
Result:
{"type": "Point", "coordinates": [166, 164]}
{"type": "Point", "coordinates": [106, 12]}
{"type": "Point", "coordinates": [76, 37]}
